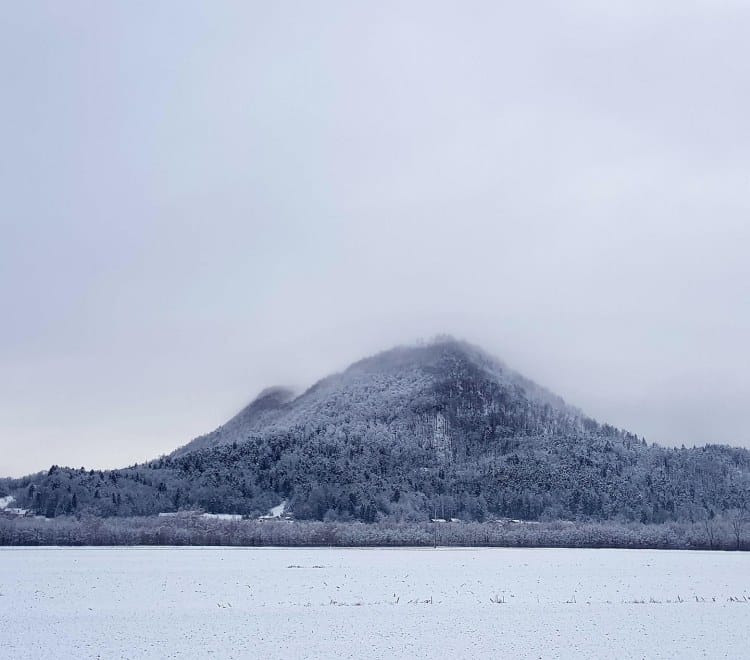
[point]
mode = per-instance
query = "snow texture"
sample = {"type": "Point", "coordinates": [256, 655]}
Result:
{"type": "Point", "coordinates": [223, 516]}
{"type": "Point", "coordinates": [278, 511]}
{"type": "Point", "coordinates": [374, 603]}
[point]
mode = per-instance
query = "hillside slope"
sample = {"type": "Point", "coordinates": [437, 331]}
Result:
{"type": "Point", "coordinates": [441, 430]}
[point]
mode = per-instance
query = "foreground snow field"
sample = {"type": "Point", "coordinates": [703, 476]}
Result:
{"type": "Point", "coordinates": [373, 603]}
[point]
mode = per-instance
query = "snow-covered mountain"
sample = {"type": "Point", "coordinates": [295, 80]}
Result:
{"type": "Point", "coordinates": [437, 430]}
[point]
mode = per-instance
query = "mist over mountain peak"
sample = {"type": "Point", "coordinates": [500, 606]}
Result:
{"type": "Point", "coordinates": [275, 395]}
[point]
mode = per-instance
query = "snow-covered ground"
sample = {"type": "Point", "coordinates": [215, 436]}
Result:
{"type": "Point", "coordinates": [373, 603]}
{"type": "Point", "coordinates": [278, 511]}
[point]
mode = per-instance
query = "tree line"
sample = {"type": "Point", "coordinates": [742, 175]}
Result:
{"type": "Point", "coordinates": [726, 532]}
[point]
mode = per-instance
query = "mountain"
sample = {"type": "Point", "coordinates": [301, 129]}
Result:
{"type": "Point", "coordinates": [438, 430]}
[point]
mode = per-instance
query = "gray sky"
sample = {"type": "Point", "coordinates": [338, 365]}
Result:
{"type": "Point", "coordinates": [198, 200]}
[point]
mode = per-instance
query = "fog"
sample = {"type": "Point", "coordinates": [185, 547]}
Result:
{"type": "Point", "coordinates": [199, 200]}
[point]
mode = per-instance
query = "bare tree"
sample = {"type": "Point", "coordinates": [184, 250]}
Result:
{"type": "Point", "coordinates": [709, 527]}
{"type": "Point", "coordinates": [738, 519]}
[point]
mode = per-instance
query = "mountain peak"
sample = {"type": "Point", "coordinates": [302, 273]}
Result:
{"type": "Point", "coordinates": [448, 356]}
{"type": "Point", "coordinates": [412, 385]}
{"type": "Point", "coordinates": [426, 354]}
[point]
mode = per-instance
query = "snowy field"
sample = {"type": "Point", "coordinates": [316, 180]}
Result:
{"type": "Point", "coordinates": [372, 603]}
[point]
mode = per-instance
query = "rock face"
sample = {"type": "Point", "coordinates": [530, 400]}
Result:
{"type": "Point", "coordinates": [435, 431]}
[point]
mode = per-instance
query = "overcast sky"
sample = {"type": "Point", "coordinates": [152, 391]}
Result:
{"type": "Point", "coordinates": [198, 200]}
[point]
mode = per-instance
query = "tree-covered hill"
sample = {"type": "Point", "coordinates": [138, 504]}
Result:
{"type": "Point", "coordinates": [435, 431]}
